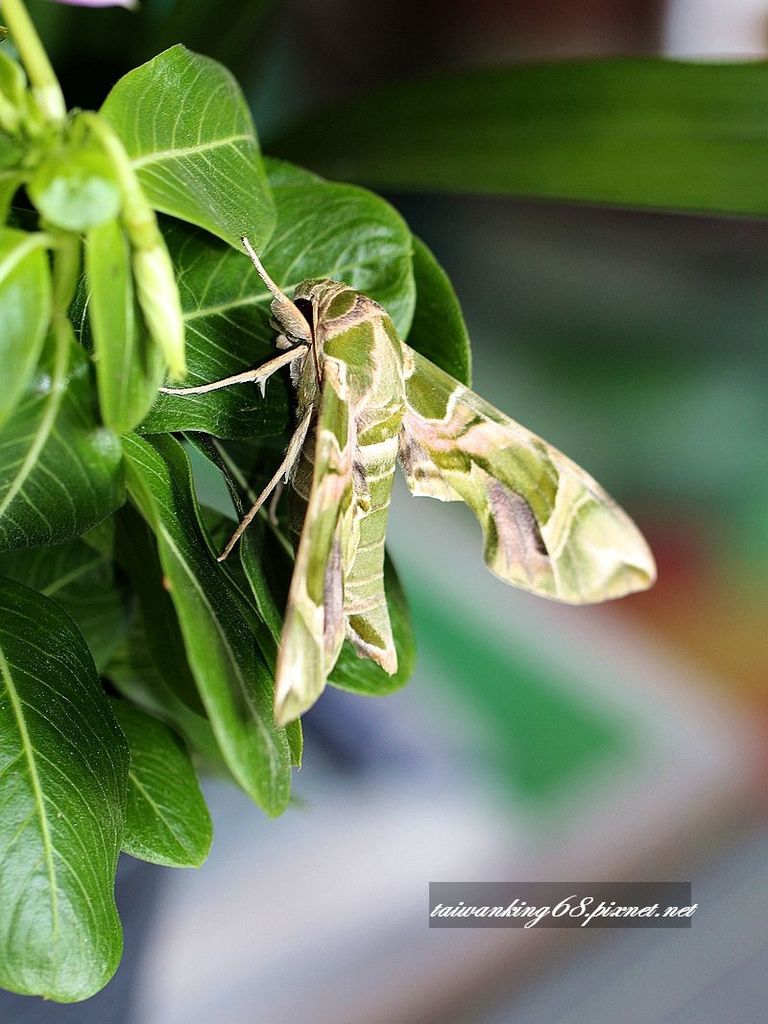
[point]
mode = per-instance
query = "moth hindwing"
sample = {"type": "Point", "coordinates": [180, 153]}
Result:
{"type": "Point", "coordinates": [365, 399]}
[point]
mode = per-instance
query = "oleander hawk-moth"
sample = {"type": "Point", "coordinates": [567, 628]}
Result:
{"type": "Point", "coordinates": [366, 400]}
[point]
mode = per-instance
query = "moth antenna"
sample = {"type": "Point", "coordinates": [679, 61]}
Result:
{"type": "Point", "coordinates": [276, 292]}
{"type": "Point", "coordinates": [291, 315]}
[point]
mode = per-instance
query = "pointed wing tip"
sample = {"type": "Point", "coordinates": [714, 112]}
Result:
{"type": "Point", "coordinates": [639, 565]}
{"type": "Point", "coordinates": [619, 558]}
{"type": "Point", "coordinates": [634, 573]}
{"type": "Point", "coordinates": [293, 693]}
{"type": "Point", "coordinates": [389, 662]}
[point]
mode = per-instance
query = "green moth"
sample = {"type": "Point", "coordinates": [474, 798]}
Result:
{"type": "Point", "coordinates": [365, 401]}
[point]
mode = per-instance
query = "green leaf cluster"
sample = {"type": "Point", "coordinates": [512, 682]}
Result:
{"type": "Point", "coordinates": [130, 658]}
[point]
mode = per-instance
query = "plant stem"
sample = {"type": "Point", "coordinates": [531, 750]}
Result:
{"type": "Point", "coordinates": [153, 272]}
{"type": "Point", "coordinates": [138, 216]}
{"type": "Point", "coordinates": [45, 85]}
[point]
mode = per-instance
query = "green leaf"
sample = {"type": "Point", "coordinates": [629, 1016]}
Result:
{"type": "Point", "coordinates": [295, 735]}
{"type": "Point", "coordinates": [166, 819]}
{"type": "Point", "coordinates": [11, 153]}
{"type": "Point", "coordinates": [323, 230]}
{"type": "Point", "coordinates": [133, 672]}
{"type": "Point", "coordinates": [75, 189]}
{"type": "Point", "coordinates": [187, 128]}
{"type": "Point", "coordinates": [326, 229]}
{"type": "Point", "coordinates": [632, 132]}
{"type": "Point", "coordinates": [253, 555]}
{"type": "Point", "coordinates": [256, 553]}
{"type": "Point", "coordinates": [13, 81]}
{"type": "Point", "coordinates": [438, 330]}
{"type": "Point", "coordinates": [219, 628]}
{"type": "Point", "coordinates": [102, 538]}
{"type": "Point", "coordinates": [63, 770]}
{"type": "Point", "coordinates": [129, 367]}
{"type": "Point", "coordinates": [14, 114]}
{"type": "Point", "coordinates": [361, 675]}
{"type": "Point", "coordinates": [82, 582]}
{"type": "Point", "coordinates": [59, 470]}
{"type": "Point", "coordinates": [10, 180]}
{"type": "Point", "coordinates": [136, 552]}
{"type": "Point", "coordinates": [25, 309]}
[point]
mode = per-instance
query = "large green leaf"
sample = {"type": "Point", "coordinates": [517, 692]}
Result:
{"type": "Point", "coordinates": [166, 819]}
{"type": "Point", "coordinates": [323, 230]}
{"type": "Point", "coordinates": [129, 366]}
{"type": "Point", "coordinates": [257, 552]}
{"type": "Point", "coordinates": [63, 770]}
{"type": "Point", "coordinates": [220, 630]}
{"type": "Point", "coordinates": [252, 558]}
{"type": "Point", "coordinates": [136, 552]}
{"type": "Point", "coordinates": [438, 330]}
{"type": "Point", "coordinates": [59, 470]}
{"type": "Point", "coordinates": [25, 308]}
{"type": "Point", "coordinates": [187, 128]}
{"type": "Point", "coordinates": [81, 580]}
{"type": "Point", "coordinates": [631, 132]}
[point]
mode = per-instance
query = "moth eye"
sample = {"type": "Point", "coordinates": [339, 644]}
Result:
{"type": "Point", "coordinates": [304, 306]}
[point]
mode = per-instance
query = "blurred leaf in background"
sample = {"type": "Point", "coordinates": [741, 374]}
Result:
{"type": "Point", "coordinates": [631, 133]}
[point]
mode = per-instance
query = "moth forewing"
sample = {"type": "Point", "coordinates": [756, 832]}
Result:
{"type": "Point", "coordinates": [548, 527]}
{"type": "Point", "coordinates": [313, 630]}
{"type": "Point", "coordinates": [337, 587]}
{"type": "Point", "coordinates": [363, 398]}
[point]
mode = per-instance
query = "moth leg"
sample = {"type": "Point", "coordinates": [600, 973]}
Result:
{"type": "Point", "coordinates": [259, 374]}
{"type": "Point", "coordinates": [283, 470]}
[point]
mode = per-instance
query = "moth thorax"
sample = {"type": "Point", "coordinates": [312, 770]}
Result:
{"type": "Point", "coordinates": [331, 300]}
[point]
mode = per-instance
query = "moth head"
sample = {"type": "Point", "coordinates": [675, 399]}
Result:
{"type": "Point", "coordinates": [295, 323]}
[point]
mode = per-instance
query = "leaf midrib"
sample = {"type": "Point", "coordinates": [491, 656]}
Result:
{"type": "Point", "coordinates": [231, 657]}
{"type": "Point", "coordinates": [161, 155]}
{"type": "Point", "coordinates": [47, 423]}
{"type": "Point", "coordinates": [37, 790]}
{"type": "Point", "coordinates": [177, 838]}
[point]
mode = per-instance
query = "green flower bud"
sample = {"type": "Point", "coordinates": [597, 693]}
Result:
{"type": "Point", "coordinates": [158, 296]}
{"type": "Point", "coordinates": [75, 189]}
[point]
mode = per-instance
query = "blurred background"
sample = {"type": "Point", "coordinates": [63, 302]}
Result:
{"type": "Point", "coordinates": [534, 742]}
